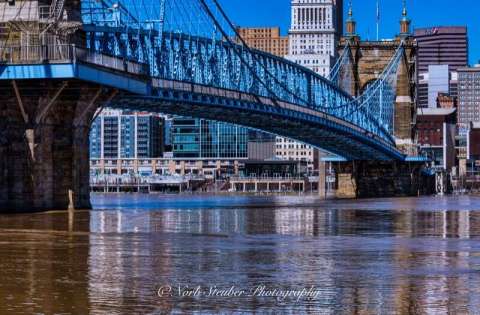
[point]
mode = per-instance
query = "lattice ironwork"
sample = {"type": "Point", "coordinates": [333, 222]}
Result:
{"type": "Point", "coordinates": [194, 41]}
{"type": "Point", "coordinates": [193, 44]}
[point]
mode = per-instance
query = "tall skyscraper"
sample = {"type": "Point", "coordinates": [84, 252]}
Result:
{"type": "Point", "coordinates": [439, 46]}
{"type": "Point", "coordinates": [314, 33]}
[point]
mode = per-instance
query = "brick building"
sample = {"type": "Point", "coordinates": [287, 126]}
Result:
{"type": "Point", "coordinates": [436, 135]}
{"type": "Point", "coordinates": [266, 39]}
{"type": "Point", "coordinates": [445, 100]}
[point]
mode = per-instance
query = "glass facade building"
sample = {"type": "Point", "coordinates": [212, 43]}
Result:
{"type": "Point", "coordinates": [199, 138]}
{"type": "Point", "coordinates": [438, 82]}
{"type": "Point", "coordinates": [95, 139]}
{"type": "Point", "coordinates": [125, 135]}
{"type": "Point", "coordinates": [185, 135]}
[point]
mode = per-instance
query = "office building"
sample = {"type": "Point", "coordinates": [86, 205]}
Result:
{"type": "Point", "coordinates": [436, 135]}
{"type": "Point", "coordinates": [204, 139]}
{"type": "Point", "coordinates": [287, 149]}
{"type": "Point", "coordinates": [468, 96]}
{"type": "Point", "coordinates": [438, 82]}
{"type": "Point", "coordinates": [266, 39]}
{"type": "Point", "coordinates": [471, 164]}
{"type": "Point", "coordinates": [117, 135]}
{"type": "Point", "coordinates": [439, 46]}
{"type": "Point", "coordinates": [314, 33]}
{"type": "Point", "coordinates": [261, 145]}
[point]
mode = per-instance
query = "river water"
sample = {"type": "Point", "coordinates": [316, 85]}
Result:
{"type": "Point", "coordinates": [148, 254]}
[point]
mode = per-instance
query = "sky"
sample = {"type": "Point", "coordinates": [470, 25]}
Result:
{"type": "Point", "coordinates": [423, 13]}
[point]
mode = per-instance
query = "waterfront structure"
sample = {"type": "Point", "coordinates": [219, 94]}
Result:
{"type": "Point", "coordinates": [160, 174]}
{"type": "Point", "coordinates": [208, 168]}
{"type": "Point", "coordinates": [272, 176]}
{"type": "Point", "coordinates": [439, 45]}
{"type": "Point", "coordinates": [117, 134]}
{"type": "Point", "coordinates": [268, 39]}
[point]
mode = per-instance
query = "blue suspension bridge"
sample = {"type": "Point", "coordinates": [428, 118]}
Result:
{"type": "Point", "coordinates": [184, 57]}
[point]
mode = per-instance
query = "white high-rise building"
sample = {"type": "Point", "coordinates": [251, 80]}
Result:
{"type": "Point", "coordinates": [314, 33]}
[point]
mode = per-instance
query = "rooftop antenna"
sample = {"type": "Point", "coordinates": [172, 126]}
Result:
{"type": "Point", "coordinates": [378, 20]}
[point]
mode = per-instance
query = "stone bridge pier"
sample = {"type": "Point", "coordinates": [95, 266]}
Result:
{"type": "Point", "coordinates": [44, 143]}
{"type": "Point", "coordinates": [375, 179]}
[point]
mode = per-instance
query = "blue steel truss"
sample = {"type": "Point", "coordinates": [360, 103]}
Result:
{"type": "Point", "coordinates": [193, 41]}
{"type": "Point", "coordinates": [190, 45]}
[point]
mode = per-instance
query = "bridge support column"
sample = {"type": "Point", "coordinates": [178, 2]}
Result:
{"type": "Point", "coordinates": [367, 179]}
{"type": "Point", "coordinates": [44, 163]}
{"type": "Point", "coordinates": [346, 181]}
{"type": "Point", "coordinates": [322, 179]}
{"type": "Point", "coordinates": [79, 197]}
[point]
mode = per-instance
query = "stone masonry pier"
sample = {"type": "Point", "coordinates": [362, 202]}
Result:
{"type": "Point", "coordinates": [374, 179]}
{"type": "Point", "coordinates": [44, 151]}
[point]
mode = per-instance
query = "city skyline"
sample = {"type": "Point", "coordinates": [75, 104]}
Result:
{"type": "Point", "coordinates": [277, 13]}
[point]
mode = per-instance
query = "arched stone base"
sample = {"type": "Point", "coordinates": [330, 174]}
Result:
{"type": "Point", "coordinates": [44, 145]}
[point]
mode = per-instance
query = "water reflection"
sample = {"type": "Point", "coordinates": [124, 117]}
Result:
{"type": "Point", "coordinates": [380, 257]}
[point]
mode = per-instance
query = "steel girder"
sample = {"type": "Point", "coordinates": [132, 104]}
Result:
{"type": "Point", "coordinates": [221, 64]}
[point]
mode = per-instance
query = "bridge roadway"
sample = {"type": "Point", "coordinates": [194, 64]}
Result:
{"type": "Point", "coordinates": [139, 91]}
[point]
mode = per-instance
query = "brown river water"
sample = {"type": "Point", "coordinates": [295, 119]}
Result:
{"type": "Point", "coordinates": [148, 254]}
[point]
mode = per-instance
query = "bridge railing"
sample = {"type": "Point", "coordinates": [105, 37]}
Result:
{"type": "Point", "coordinates": [37, 54]}
{"type": "Point", "coordinates": [111, 62]}
{"type": "Point", "coordinates": [65, 53]}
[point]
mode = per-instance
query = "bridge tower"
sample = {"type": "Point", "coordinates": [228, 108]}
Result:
{"type": "Point", "coordinates": [44, 124]}
{"type": "Point", "coordinates": [368, 60]}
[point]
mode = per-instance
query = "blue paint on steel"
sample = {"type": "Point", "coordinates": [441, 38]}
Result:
{"type": "Point", "coordinates": [108, 78]}
{"type": "Point", "coordinates": [156, 62]}
{"type": "Point", "coordinates": [89, 73]}
{"type": "Point", "coordinates": [37, 71]}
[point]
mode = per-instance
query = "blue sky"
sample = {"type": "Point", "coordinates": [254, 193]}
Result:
{"type": "Point", "coordinates": [423, 13]}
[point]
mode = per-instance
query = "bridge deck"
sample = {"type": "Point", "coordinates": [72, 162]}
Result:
{"type": "Point", "coordinates": [140, 91]}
